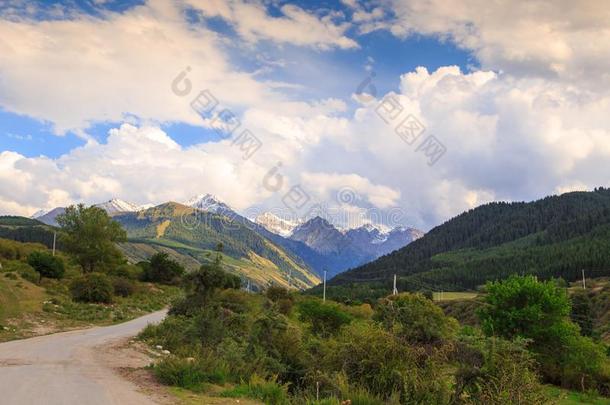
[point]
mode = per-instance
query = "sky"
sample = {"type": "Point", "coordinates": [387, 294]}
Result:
{"type": "Point", "coordinates": [396, 112]}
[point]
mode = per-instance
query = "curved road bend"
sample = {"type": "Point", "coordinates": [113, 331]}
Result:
{"type": "Point", "coordinates": [61, 369]}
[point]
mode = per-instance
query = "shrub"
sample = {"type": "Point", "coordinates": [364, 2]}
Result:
{"type": "Point", "coordinates": [189, 373]}
{"type": "Point", "coordinates": [275, 348]}
{"type": "Point", "coordinates": [415, 318]}
{"type": "Point", "coordinates": [46, 264]}
{"type": "Point", "coordinates": [23, 269]}
{"type": "Point", "coordinates": [276, 293]}
{"type": "Point", "coordinates": [123, 287]}
{"type": "Point", "coordinates": [325, 318]}
{"type": "Point", "coordinates": [92, 287]}
{"type": "Point", "coordinates": [270, 392]}
{"type": "Point", "coordinates": [502, 372]}
{"type": "Point", "coordinates": [524, 307]}
{"type": "Point", "coordinates": [173, 333]}
{"type": "Point", "coordinates": [162, 269]}
{"type": "Point", "coordinates": [28, 273]}
{"type": "Point", "coordinates": [129, 271]}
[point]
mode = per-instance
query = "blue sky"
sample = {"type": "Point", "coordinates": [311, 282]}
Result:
{"type": "Point", "coordinates": [517, 111]}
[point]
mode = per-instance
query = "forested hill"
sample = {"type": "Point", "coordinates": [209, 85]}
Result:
{"type": "Point", "coordinates": [557, 236]}
{"type": "Point", "coordinates": [27, 230]}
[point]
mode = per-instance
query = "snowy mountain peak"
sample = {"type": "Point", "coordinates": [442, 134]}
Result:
{"type": "Point", "coordinates": [38, 214]}
{"type": "Point", "coordinates": [116, 205]}
{"type": "Point", "coordinates": [276, 224]}
{"type": "Point", "coordinates": [207, 202]}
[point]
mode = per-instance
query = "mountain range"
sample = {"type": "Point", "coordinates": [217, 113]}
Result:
{"type": "Point", "coordinates": [312, 246]}
{"type": "Point", "coordinates": [557, 236]}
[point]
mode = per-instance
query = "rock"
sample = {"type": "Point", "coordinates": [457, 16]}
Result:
{"type": "Point", "coordinates": [190, 359]}
{"type": "Point", "coordinates": [159, 347]}
{"type": "Point", "coordinates": [166, 352]}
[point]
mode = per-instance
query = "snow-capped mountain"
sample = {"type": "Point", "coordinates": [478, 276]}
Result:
{"type": "Point", "coordinates": [351, 247]}
{"type": "Point", "coordinates": [277, 225]}
{"type": "Point", "coordinates": [117, 205]}
{"type": "Point", "coordinates": [49, 217]}
{"type": "Point", "coordinates": [38, 214]}
{"type": "Point", "coordinates": [320, 235]}
{"type": "Point", "coordinates": [208, 202]}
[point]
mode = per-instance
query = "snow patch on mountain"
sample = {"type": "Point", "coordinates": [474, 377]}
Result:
{"type": "Point", "coordinates": [276, 224]}
{"type": "Point", "coordinates": [207, 202]}
{"type": "Point", "coordinates": [117, 205]}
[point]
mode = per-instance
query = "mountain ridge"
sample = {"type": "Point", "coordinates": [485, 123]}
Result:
{"type": "Point", "coordinates": [556, 236]}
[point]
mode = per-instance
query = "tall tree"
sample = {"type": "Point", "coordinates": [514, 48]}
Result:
{"type": "Point", "coordinates": [90, 235]}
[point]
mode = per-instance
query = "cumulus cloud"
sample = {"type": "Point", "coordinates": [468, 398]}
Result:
{"type": "Point", "coordinates": [533, 121]}
{"type": "Point", "coordinates": [78, 71]}
{"type": "Point", "coordinates": [563, 40]}
{"type": "Point", "coordinates": [138, 164]}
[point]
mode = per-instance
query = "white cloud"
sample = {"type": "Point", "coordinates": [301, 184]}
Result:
{"type": "Point", "coordinates": [564, 40]}
{"type": "Point", "coordinates": [295, 26]}
{"type": "Point", "coordinates": [506, 139]}
{"type": "Point", "coordinates": [352, 187]}
{"type": "Point", "coordinates": [82, 70]}
{"type": "Point", "coordinates": [533, 121]}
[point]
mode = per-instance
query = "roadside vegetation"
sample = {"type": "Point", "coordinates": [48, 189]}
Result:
{"type": "Point", "coordinates": [88, 282]}
{"type": "Point", "coordinates": [282, 347]}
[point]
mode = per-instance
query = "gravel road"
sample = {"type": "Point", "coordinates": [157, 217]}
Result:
{"type": "Point", "coordinates": [62, 369]}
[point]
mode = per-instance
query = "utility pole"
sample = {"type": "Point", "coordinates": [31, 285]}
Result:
{"type": "Point", "coordinates": [394, 290]}
{"type": "Point", "coordinates": [54, 239]}
{"type": "Point", "coordinates": [584, 285]}
{"type": "Point", "coordinates": [324, 292]}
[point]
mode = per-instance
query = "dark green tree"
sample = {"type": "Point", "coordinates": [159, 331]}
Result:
{"type": "Point", "coordinates": [581, 313]}
{"type": "Point", "coordinates": [90, 235]}
{"type": "Point", "coordinates": [162, 269]}
{"type": "Point", "coordinates": [524, 307]}
{"type": "Point", "coordinates": [46, 264]}
{"type": "Point", "coordinates": [539, 311]}
{"type": "Point", "coordinates": [415, 318]}
{"type": "Point", "coordinates": [92, 287]}
{"type": "Point", "coordinates": [200, 285]}
{"type": "Point", "coordinates": [325, 318]}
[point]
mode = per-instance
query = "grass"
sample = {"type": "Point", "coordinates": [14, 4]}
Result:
{"type": "Point", "coordinates": [566, 397]}
{"type": "Point", "coordinates": [453, 295]}
{"type": "Point", "coordinates": [269, 392]}
{"type": "Point", "coordinates": [18, 296]}
{"type": "Point", "coordinates": [187, 397]}
{"type": "Point", "coordinates": [28, 309]}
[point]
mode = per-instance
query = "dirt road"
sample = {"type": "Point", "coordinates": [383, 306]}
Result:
{"type": "Point", "coordinates": [63, 369]}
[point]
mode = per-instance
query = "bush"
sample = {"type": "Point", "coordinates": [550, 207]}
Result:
{"type": "Point", "coordinates": [129, 271]}
{"type": "Point", "coordinates": [92, 287]}
{"type": "Point", "coordinates": [28, 273]}
{"type": "Point", "coordinates": [46, 264]}
{"type": "Point", "coordinates": [325, 318]}
{"type": "Point", "coordinates": [162, 269]}
{"type": "Point", "coordinates": [276, 293]}
{"type": "Point", "coordinates": [23, 269]}
{"type": "Point", "coordinates": [370, 357]}
{"type": "Point", "coordinates": [123, 287]}
{"type": "Point", "coordinates": [270, 392]}
{"type": "Point", "coordinates": [524, 307]}
{"type": "Point", "coordinates": [190, 373]}
{"type": "Point", "coordinates": [415, 318]}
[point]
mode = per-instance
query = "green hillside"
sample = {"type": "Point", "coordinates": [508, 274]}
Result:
{"type": "Point", "coordinates": [189, 236]}
{"type": "Point", "coordinates": [557, 236]}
